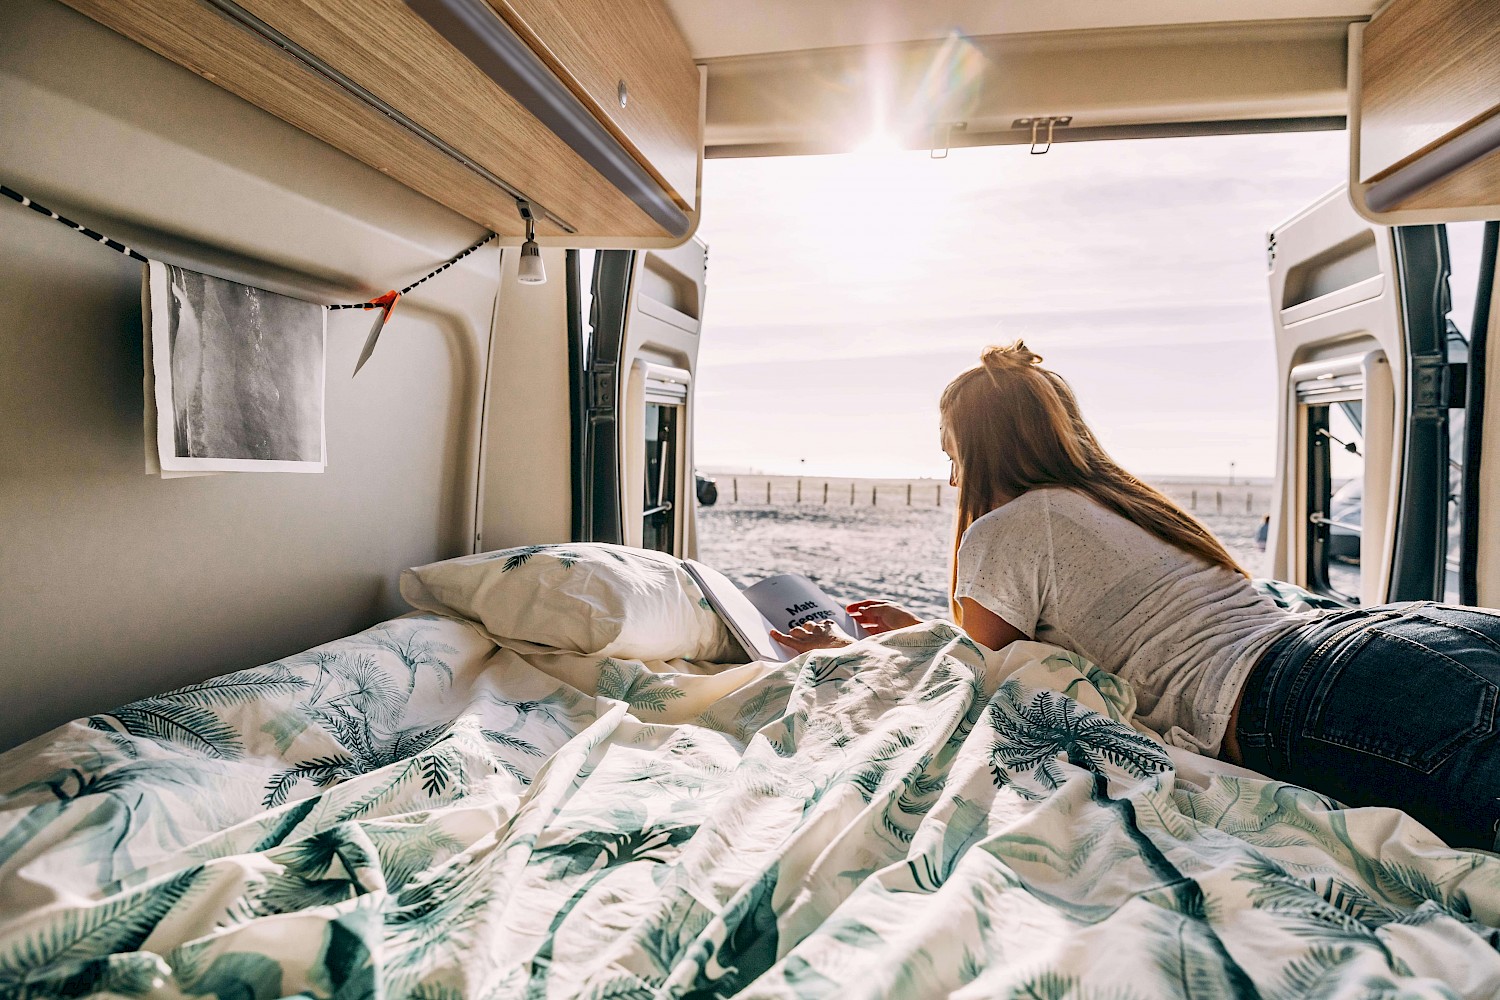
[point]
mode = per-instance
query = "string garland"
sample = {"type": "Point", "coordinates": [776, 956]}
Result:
{"type": "Point", "coordinates": [85, 230]}
{"type": "Point", "coordinates": [376, 303]}
{"type": "Point", "coordinates": [384, 302]}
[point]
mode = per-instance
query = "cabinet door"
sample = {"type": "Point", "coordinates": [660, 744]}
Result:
{"type": "Point", "coordinates": [642, 84]}
{"type": "Point", "coordinates": [1424, 90]}
{"type": "Point", "coordinates": [474, 105]}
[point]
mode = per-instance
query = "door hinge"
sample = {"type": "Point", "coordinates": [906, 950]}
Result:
{"type": "Point", "coordinates": [1458, 385]}
{"type": "Point", "coordinates": [1438, 384]}
{"type": "Point", "coordinates": [602, 388]}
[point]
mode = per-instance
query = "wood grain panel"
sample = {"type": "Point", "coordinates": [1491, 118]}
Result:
{"type": "Point", "coordinates": [582, 41]}
{"type": "Point", "coordinates": [1474, 186]}
{"type": "Point", "coordinates": [1431, 69]}
{"type": "Point", "coordinates": [198, 38]}
{"type": "Point", "coordinates": [395, 55]}
{"type": "Point", "coordinates": [388, 49]}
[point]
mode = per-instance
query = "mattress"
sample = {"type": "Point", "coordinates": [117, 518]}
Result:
{"type": "Point", "coordinates": [416, 811]}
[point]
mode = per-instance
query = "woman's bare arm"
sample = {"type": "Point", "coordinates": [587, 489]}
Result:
{"type": "Point", "coordinates": [985, 627]}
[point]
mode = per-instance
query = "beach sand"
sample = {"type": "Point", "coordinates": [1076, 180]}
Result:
{"type": "Point", "coordinates": [892, 550]}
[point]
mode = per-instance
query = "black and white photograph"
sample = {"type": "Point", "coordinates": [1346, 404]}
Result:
{"type": "Point", "coordinates": [238, 375]}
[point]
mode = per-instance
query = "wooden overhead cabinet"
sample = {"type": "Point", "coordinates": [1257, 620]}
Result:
{"type": "Point", "coordinates": [1425, 83]}
{"type": "Point", "coordinates": [591, 110]}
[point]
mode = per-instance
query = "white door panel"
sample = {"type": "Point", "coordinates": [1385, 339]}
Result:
{"type": "Point", "coordinates": [1336, 312]}
{"type": "Point", "coordinates": [639, 458]}
{"type": "Point", "coordinates": [1378, 470]}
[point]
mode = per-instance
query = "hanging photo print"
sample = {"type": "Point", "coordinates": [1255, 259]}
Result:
{"type": "Point", "coordinates": [235, 374]}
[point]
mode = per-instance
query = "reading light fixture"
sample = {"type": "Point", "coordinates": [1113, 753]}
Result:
{"type": "Point", "coordinates": [530, 270]}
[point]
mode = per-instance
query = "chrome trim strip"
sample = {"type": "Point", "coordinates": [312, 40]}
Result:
{"type": "Point", "coordinates": [1426, 170]}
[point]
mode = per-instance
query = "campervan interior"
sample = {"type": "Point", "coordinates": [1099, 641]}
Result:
{"type": "Point", "coordinates": [330, 150]}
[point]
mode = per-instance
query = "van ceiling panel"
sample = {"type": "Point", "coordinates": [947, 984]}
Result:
{"type": "Point", "coordinates": [1114, 82]}
{"type": "Point", "coordinates": [718, 31]}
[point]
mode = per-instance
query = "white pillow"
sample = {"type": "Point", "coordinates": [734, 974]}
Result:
{"type": "Point", "coordinates": [586, 597]}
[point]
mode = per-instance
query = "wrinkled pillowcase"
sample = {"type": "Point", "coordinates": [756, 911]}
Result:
{"type": "Point", "coordinates": [586, 597]}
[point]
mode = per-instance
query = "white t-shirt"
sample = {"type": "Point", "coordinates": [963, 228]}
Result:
{"type": "Point", "coordinates": [1184, 632]}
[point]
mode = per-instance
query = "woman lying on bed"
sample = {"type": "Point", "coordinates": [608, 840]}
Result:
{"type": "Point", "coordinates": [1392, 705]}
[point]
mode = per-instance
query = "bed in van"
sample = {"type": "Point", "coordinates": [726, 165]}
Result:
{"type": "Point", "coordinates": [536, 764]}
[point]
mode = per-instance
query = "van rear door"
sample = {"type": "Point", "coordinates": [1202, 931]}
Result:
{"type": "Point", "coordinates": [1373, 328]}
{"type": "Point", "coordinates": [637, 340]}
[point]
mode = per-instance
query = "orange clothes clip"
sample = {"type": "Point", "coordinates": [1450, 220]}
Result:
{"type": "Point", "coordinates": [386, 302]}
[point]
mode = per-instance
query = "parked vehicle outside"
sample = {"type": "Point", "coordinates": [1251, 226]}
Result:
{"type": "Point", "coordinates": [707, 490]}
{"type": "Point", "coordinates": [1346, 508]}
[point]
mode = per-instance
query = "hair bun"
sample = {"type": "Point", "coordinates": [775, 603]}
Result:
{"type": "Point", "coordinates": [1010, 357]}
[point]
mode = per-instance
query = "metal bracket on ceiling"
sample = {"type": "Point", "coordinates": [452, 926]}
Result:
{"type": "Point", "coordinates": [1037, 124]}
{"type": "Point", "coordinates": [524, 207]}
{"type": "Point", "coordinates": [942, 137]}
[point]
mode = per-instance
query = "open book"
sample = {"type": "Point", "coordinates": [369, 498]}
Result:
{"type": "Point", "coordinates": [779, 602]}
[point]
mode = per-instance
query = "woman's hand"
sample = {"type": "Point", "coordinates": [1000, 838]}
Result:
{"type": "Point", "coordinates": [820, 633]}
{"type": "Point", "coordinates": [877, 616]}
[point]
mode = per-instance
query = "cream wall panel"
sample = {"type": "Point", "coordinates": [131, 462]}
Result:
{"type": "Point", "coordinates": [527, 494]}
{"type": "Point", "coordinates": [117, 584]}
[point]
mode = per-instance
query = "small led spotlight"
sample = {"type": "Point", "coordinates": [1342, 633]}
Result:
{"type": "Point", "coordinates": [529, 270]}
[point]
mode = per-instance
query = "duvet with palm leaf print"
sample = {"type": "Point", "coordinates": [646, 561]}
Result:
{"type": "Point", "coordinates": [413, 812]}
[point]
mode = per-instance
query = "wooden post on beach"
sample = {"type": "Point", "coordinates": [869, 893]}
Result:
{"type": "Point", "coordinates": [851, 494]}
{"type": "Point", "coordinates": [1248, 499]}
{"type": "Point", "coordinates": [1193, 502]}
{"type": "Point", "coordinates": [1219, 500]}
{"type": "Point", "coordinates": [736, 484]}
{"type": "Point", "coordinates": [825, 493]}
{"type": "Point", "coordinates": [799, 491]}
{"type": "Point", "coordinates": [939, 492]}
{"type": "Point", "coordinates": [872, 495]}
{"type": "Point", "coordinates": [908, 494]}
{"type": "Point", "coordinates": [768, 492]}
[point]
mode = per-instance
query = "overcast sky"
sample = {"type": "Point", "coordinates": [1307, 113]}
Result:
{"type": "Point", "coordinates": [844, 292]}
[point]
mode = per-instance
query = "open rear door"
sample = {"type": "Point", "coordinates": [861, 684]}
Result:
{"type": "Point", "coordinates": [1373, 327]}
{"type": "Point", "coordinates": [635, 428]}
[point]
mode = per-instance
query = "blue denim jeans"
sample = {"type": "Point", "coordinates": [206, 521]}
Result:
{"type": "Point", "coordinates": [1386, 706]}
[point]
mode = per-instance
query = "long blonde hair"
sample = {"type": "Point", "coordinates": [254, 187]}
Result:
{"type": "Point", "coordinates": [1013, 426]}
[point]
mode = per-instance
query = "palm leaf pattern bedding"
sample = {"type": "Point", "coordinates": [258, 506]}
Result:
{"type": "Point", "coordinates": [412, 812]}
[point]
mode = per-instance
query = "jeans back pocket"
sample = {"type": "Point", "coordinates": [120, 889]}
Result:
{"type": "Point", "coordinates": [1396, 692]}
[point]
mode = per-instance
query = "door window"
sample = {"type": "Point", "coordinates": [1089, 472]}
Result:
{"type": "Point", "coordinates": [660, 505]}
{"type": "Point", "coordinates": [1335, 478]}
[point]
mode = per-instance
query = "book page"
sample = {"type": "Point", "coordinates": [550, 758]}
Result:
{"type": "Point", "coordinates": [790, 600]}
{"type": "Point", "coordinates": [749, 628]}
